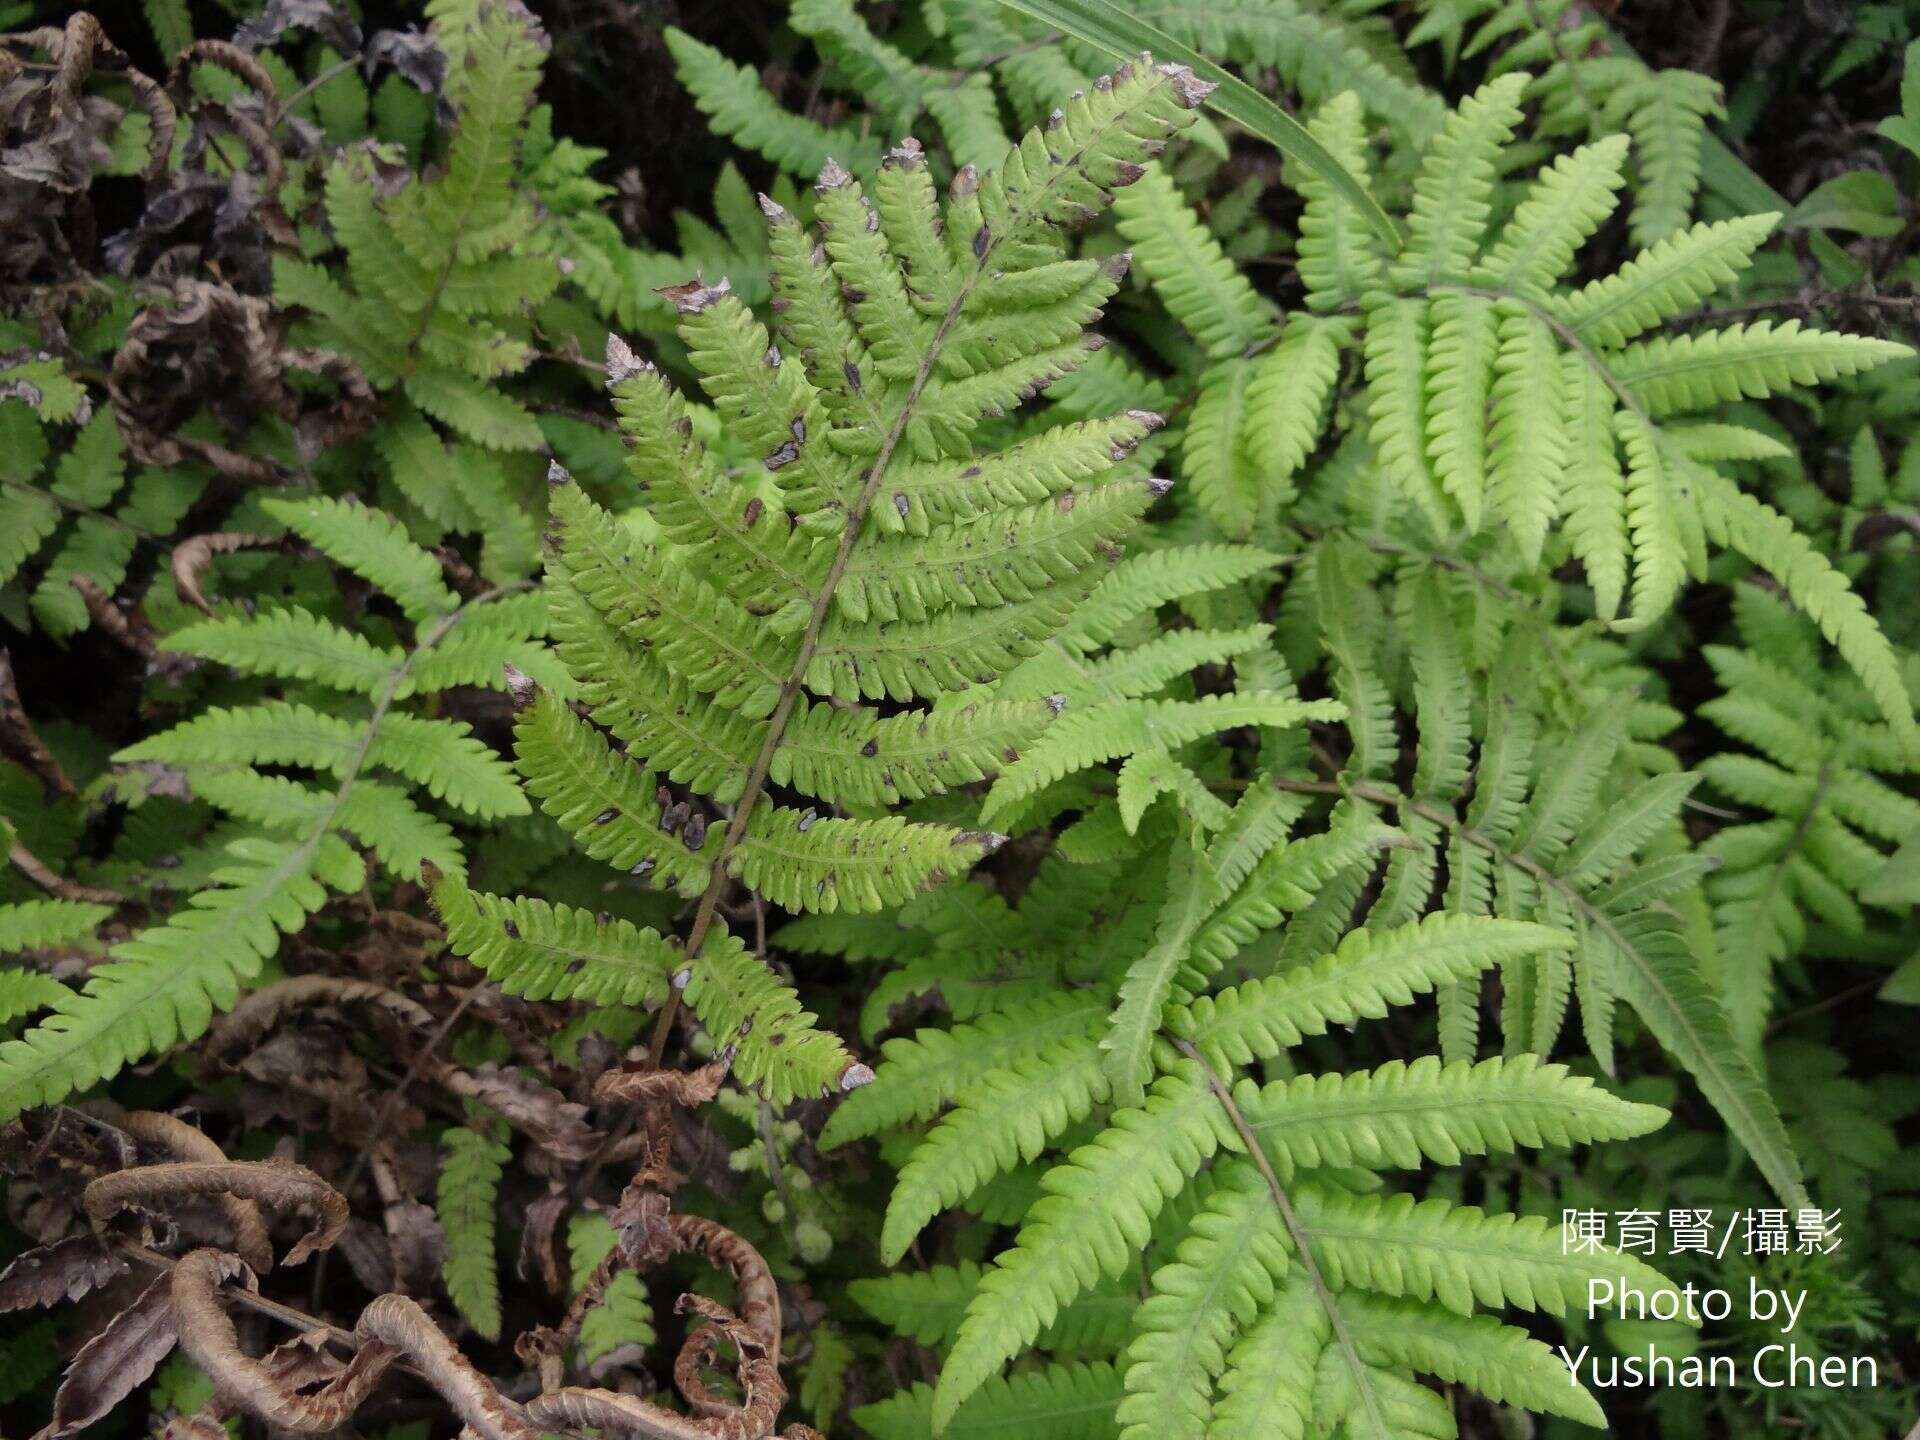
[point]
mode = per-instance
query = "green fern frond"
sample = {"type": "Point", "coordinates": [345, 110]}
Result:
{"type": "Point", "coordinates": [44, 924]}
{"type": "Point", "coordinates": [1340, 261]}
{"type": "Point", "coordinates": [550, 951]}
{"type": "Point", "coordinates": [1360, 979]}
{"type": "Point", "coordinates": [856, 758]}
{"type": "Point", "coordinates": [1457, 1255]}
{"type": "Point", "coordinates": [1085, 738]}
{"type": "Point", "coordinates": [738, 999]}
{"type": "Point", "coordinates": [610, 807]}
{"type": "Point", "coordinates": [1266, 1388]}
{"type": "Point", "coordinates": [1224, 1272]}
{"type": "Point", "coordinates": [165, 984]}
{"type": "Point", "coordinates": [1454, 189]}
{"type": "Point", "coordinates": [1070, 1402]}
{"type": "Point", "coordinates": [291, 644]}
{"type": "Point", "coordinates": [464, 1202]}
{"type": "Point", "coordinates": [918, 1074]}
{"type": "Point", "coordinates": [1677, 373]}
{"type": "Point", "coordinates": [1566, 203]}
{"type": "Point", "coordinates": [804, 863]}
{"type": "Point", "coordinates": [1404, 1115]}
{"type": "Point", "coordinates": [373, 546]}
{"type": "Point", "coordinates": [731, 97]}
{"type": "Point", "coordinates": [1663, 281]}
{"type": "Point", "coordinates": [1141, 583]}
{"type": "Point", "coordinates": [1501, 1362]}
{"type": "Point", "coordinates": [1194, 279]}
{"type": "Point", "coordinates": [1094, 1217]}
{"type": "Point", "coordinates": [1003, 1120]}
{"type": "Point", "coordinates": [624, 1315]}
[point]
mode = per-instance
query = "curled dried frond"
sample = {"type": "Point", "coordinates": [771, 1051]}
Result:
{"type": "Point", "coordinates": [54, 140]}
{"type": "Point", "coordinates": [403, 1328]}
{"type": "Point", "coordinates": [541, 1113]}
{"type": "Point", "coordinates": [183, 1142]}
{"type": "Point", "coordinates": [260, 1387]}
{"type": "Point", "coordinates": [278, 1183]}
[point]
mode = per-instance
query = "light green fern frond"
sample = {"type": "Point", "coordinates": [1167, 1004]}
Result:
{"type": "Point", "coordinates": [464, 1203]}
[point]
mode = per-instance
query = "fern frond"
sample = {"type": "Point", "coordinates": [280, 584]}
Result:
{"type": "Point", "coordinates": [1404, 1115]}
{"type": "Point", "coordinates": [1666, 112]}
{"type": "Point", "coordinates": [1399, 333]}
{"type": "Point", "coordinates": [926, 1306]}
{"type": "Point", "coordinates": [1222, 471]}
{"type": "Point", "coordinates": [1663, 281]}
{"type": "Point", "coordinates": [1200, 287]}
{"type": "Point", "coordinates": [1225, 1271]}
{"type": "Point", "coordinates": [1193, 889]}
{"type": "Point", "coordinates": [803, 863]}
{"type": "Point", "coordinates": [1460, 375]}
{"type": "Point", "coordinates": [690, 628]}
{"type": "Point", "coordinates": [756, 1019]}
{"type": "Point", "coordinates": [1081, 739]}
{"type": "Point", "coordinates": [1566, 203]}
{"type": "Point", "coordinates": [464, 1202]}
{"type": "Point", "coordinates": [731, 97]}
{"type": "Point", "coordinates": [1456, 1255]}
{"type": "Point", "coordinates": [1360, 979]}
{"type": "Point", "coordinates": [921, 494]}
{"type": "Point", "coordinates": [624, 1315]}
{"type": "Point", "coordinates": [1676, 373]}
{"type": "Point", "coordinates": [1013, 554]}
{"type": "Point", "coordinates": [1096, 1214]}
{"type": "Point", "coordinates": [1593, 488]}
{"type": "Point", "coordinates": [373, 546]}
{"type": "Point", "coordinates": [1062, 1402]}
{"type": "Point", "coordinates": [1340, 260]}
{"type": "Point", "coordinates": [24, 991]}
{"type": "Point", "coordinates": [852, 757]}
{"type": "Point", "coordinates": [1286, 400]}
{"type": "Point", "coordinates": [917, 1075]}
{"type": "Point", "coordinates": [1003, 1120]}
{"type": "Point", "coordinates": [43, 924]}
{"type": "Point", "coordinates": [1769, 539]}
{"type": "Point", "coordinates": [609, 805]}
{"type": "Point", "coordinates": [165, 983]}
{"type": "Point", "coordinates": [1266, 1389]}
{"type": "Point", "coordinates": [1528, 444]}
{"type": "Point", "coordinates": [550, 951]}
{"type": "Point", "coordinates": [291, 644]}
{"type": "Point", "coordinates": [1501, 1362]}
{"type": "Point", "coordinates": [1141, 583]}
{"type": "Point", "coordinates": [1453, 192]}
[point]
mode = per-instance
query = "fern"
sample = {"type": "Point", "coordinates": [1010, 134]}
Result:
{"type": "Point", "coordinates": [464, 1204]}
{"type": "Point", "coordinates": [624, 1315]}
{"type": "Point", "coordinates": [710, 633]}
{"type": "Point", "coordinates": [165, 984]}
{"type": "Point", "coordinates": [438, 284]}
{"type": "Point", "coordinates": [1824, 812]}
{"type": "Point", "coordinates": [1464, 326]}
